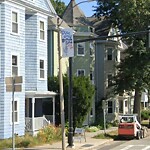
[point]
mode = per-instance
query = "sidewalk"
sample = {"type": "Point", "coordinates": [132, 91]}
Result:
{"type": "Point", "coordinates": [90, 143]}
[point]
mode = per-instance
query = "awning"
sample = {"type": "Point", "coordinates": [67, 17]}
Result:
{"type": "Point", "coordinates": [40, 94]}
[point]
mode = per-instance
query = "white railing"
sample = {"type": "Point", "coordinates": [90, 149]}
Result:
{"type": "Point", "coordinates": [40, 122]}
{"type": "Point", "coordinates": [49, 117]}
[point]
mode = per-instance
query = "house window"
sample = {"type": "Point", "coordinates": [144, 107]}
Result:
{"type": "Point", "coordinates": [91, 49]}
{"type": "Point", "coordinates": [14, 22]}
{"type": "Point", "coordinates": [126, 103]}
{"type": "Point", "coordinates": [41, 69]}
{"type": "Point", "coordinates": [109, 54]}
{"type": "Point", "coordinates": [110, 107]}
{"type": "Point", "coordinates": [15, 111]}
{"type": "Point", "coordinates": [14, 65]}
{"type": "Point", "coordinates": [80, 72]}
{"type": "Point", "coordinates": [42, 30]}
{"type": "Point", "coordinates": [91, 112]}
{"type": "Point", "coordinates": [80, 49]}
{"type": "Point", "coordinates": [109, 79]}
{"type": "Point", "coordinates": [91, 75]}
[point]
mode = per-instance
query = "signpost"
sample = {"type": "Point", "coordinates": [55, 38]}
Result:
{"type": "Point", "coordinates": [104, 109]}
{"type": "Point", "coordinates": [13, 84]}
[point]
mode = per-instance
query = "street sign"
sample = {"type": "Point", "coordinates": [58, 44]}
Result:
{"type": "Point", "coordinates": [13, 84]}
{"type": "Point", "coordinates": [17, 88]}
{"type": "Point", "coordinates": [17, 79]}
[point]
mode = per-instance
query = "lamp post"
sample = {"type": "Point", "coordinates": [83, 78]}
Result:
{"type": "Point", "coordinates": [70, 102]}
{"type": "Point", "coordinates": [61, 89]}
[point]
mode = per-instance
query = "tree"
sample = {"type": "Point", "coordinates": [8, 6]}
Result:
{"type": "Point", "coordinates": [134, 70]}
{"type": "Point", "coordinates": [83, 92]}
{"type": "Point", "coordinates": [58, 6]}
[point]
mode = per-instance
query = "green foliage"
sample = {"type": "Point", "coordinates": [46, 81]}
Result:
{"type": "Point", "coordinates": [134, 70]}
{"type": "Point", "coordinates": [145, 114]}
{"type": "Point", "coordinates": [91, 129]}
{"type": "Point", "coordinates": [83, 92]}
{"type": "Point", "coordinates": [59, 6]}
{"type": "Point", "coordinates": [49, 133]}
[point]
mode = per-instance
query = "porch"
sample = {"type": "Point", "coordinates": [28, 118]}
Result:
{"type": "Point", "coordinates": [36, 116]}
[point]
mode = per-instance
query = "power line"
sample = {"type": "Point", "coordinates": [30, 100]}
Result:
{"type": "Point", "coordinates": [112, 36]}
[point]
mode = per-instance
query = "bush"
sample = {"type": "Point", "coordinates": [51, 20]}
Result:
{"type": "Point", "coordinates": [145, 114]}
{"type": "Point", "coordinates": [49, 133]}
{"type": "Point", "coordinates": [91, 129]}
{"type": "Point", "coordinates": [45, 135]}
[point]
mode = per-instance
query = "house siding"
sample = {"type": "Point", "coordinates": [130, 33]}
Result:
{"type": "Point", "coordinates": [99, 70]}
{"type": "Point", "coordinates": [31, 52]}
{"type": "Point", "coordinates": [11, 43]}
{"type": "Point", "coordinates": [35, 49]}
{"type": "Point", "coordinates": [42, 54]}
{"type": "Point", "coordinates": [38, 3]}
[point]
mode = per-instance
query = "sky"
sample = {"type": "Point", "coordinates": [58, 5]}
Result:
{"type": "Point", "coordinates": [85, 7]}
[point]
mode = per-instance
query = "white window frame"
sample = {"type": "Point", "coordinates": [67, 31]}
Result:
{"type": "Point", "coordinates": [15, 100]}
{"type": "Point", "coordinates": [112, 54]}
{"type": "Point", "coordinates": [80, 70]}
{"type": "Point", "coordinates": [41, 69]}
{"type": "Point", "coordinates": [18, 22]}
{"type": "Point", "coordinates": [83, 45]}
{"type": "Point", "coordinates": [42, 30]}
{"type": "Point", "coordinates": [108, 79]}
{"type": "Point", "coordinates": [110, 107]}
{"type": "Point", "coordinates": [18, 62]}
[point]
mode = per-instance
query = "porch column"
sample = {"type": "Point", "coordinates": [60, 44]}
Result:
{"type": "Point", "coordinates": [123, 106]}
{"type": "Point", "coordinates": [33, 122]}
{"type": "Point", "coordinates": [27, 107]}
{"type": "Point", "coordinates": [53, 110]}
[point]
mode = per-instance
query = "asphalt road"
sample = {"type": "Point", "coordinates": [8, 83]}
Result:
{"type": "Point", "coordinates": [142, 144]}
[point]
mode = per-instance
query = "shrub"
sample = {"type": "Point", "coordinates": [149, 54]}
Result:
{"type": "Point", "coordinates": [145, 114]}
{"type": "Point", "coordinates": [91, 129]}
{"type": "Point", "coordinates": [49, 133]}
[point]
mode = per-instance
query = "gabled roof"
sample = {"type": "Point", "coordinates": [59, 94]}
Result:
{"type": "Point", "coordinates": [73, 15]}
{"type": "Point", "coordinates": [102, 26]}
{"type": "Point", "coordinates": [45, 8]}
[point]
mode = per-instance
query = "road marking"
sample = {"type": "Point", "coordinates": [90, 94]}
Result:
{"type": "Point", "coordinates": [129, 146]}
{"type": "Point", "coordinates": [146, 148]}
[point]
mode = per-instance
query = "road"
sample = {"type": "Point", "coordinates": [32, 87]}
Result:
{"type": "Point", "coordinates": [142, 144]}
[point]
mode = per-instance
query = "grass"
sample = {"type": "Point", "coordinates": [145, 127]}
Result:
{"type": "Point", "coordinates": [109, 135]}
{"type": "Point", "coordinates": [145, 123]}
{"type": "Point", "coordinates": [49, 135]}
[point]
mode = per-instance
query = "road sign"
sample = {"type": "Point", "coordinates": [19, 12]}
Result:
{"type": "Point", "coordinates": [17, 79]}
{"type": "Point", "coordinates": [17, 88]}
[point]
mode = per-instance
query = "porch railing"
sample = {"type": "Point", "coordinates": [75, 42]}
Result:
{"type": "Point", "coordinates": [40, 122]}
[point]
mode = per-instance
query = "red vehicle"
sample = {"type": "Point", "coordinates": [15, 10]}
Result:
{"type": "Point", "coordinates": [130, 127]}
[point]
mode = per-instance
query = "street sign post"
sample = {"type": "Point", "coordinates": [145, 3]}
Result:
{"type": "Point", "coordinates": [13, 84]}
{"type": "Point", "coordinates": [104, 113]}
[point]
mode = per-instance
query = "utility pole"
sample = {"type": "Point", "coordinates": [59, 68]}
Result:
{"type": "Point", "coordinates": [61, 90]}
{"type": "Point", "coordinates": [148, 47]}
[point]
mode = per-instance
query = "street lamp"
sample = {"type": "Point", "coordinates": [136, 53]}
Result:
{"type": "Point", "coordinates": [70, 102]}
